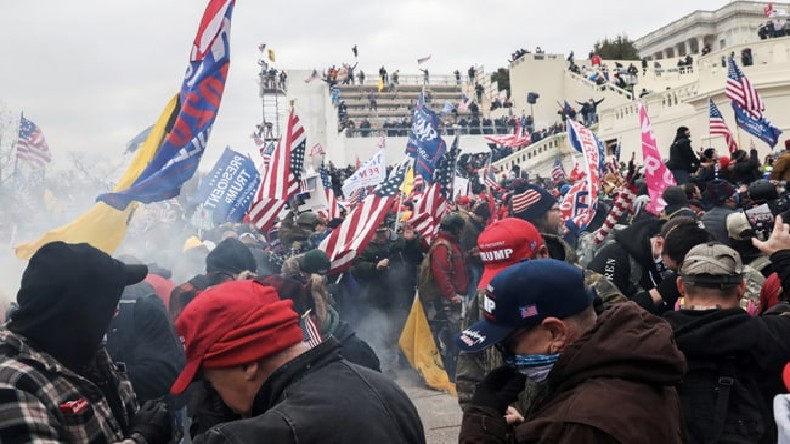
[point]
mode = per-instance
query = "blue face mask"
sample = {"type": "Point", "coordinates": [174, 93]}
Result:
{"type": "Point", "coordinates": [535, 367]}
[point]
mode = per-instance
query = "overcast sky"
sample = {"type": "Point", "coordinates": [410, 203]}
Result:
{"type": "Point", "coordinates": [93, 73]}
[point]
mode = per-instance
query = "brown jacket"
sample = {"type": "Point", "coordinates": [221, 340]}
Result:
{"type": "Point", "coordinates": [781, 168]}
{"type": "Point", "coordinates": [615, 384]}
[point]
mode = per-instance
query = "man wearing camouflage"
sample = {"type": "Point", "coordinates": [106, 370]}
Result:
{"type": "Point", "coordinates": [504, 243]}
{"type": "Point", "coordinates": [757, 265]}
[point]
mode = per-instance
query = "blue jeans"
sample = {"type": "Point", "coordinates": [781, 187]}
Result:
{"type": "Point", "coordinates": [681, 176]}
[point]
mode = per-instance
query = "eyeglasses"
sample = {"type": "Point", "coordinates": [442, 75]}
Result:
{"type": "Point", "coordinates": [510, 340]}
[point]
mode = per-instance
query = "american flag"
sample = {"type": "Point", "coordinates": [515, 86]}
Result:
{"type": "Point", "coordinates": [266, 152]}
{"type": "Point", "coordinates": [518, 139]}
{"type": "Point", "coordinates": [31, 147]}
{"type": "Point", "coordinates": [333, 210]}
{"type": "Point", "coordinates": [719, 127]}
{"type": "Point", "coordinates": [490, 180]}
{"type": "Point", "coordinates": [419, 183]}
{"type": "Point", "coordinates": [445, 169]}
{"type": "Point", "coordinates": [432, 205]}
{"type": "Point", "coordinates": [740, 90]}
{"type": "Point", "coordinates": [281, 180]}
{"type": "Point", "coordinates": [524, 200]}
{"type": "Point", "coordinates": [309, 330]}
{"type": "Point", "coordinates": [354, 234]}
{"type": "Point", "coordinates": [557, 171]}
{"type": "Point", "coordinates": [316, 150]}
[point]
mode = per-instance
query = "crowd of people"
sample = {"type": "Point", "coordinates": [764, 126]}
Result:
{"type": "Point", "coordinates": [678, 317]}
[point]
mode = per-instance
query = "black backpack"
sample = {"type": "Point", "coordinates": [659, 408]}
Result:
{"type": "Point", "coordinates": [722, 403]}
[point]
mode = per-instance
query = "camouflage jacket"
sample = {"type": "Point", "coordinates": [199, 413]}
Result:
{"type": "Point", "coordinates": [754, 283]}
{"type": "Point", "coordinates": [472, 367]}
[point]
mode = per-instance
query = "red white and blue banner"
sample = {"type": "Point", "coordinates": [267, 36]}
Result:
{"type": "Point", "coordinates": [581, 202]}
{"type": "Point", "coordinates": [199, 100]}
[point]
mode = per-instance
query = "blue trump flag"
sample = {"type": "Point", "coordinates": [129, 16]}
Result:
{"type": "Point", "coordinates": [758, 126]}
{"type": "Point", "coordinates": [230, 187]}
{"type": "Point", "coordinates": [577, 144]}
{"type": "Point", "coordinates": [201, 93]}
{"type": "Point", "coordinates": [425, 142]}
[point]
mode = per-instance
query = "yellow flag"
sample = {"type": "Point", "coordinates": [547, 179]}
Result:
{"type": "Point", "coordinates": [381, 84]}
{"type": "Point", "coordinates": [408, 182]}
{"type": "Point", "coordinates": [271, 55]}
{"type": "Point", "coordinates": [103, 226]}
{"type": "Point", "coordinates": [418, 345]}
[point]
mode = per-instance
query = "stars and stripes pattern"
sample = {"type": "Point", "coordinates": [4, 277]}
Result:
{"type": "Point", "coordinates": [521, 202]}
{"type": "Point", "coordinates": [333, 209]}
{"type": "Point", "coordinates": [316, 150]}
{"type": "Point", "coordinates": [281, 180]}
{"type": "Point", "coordinates": [490, 180]}
{"type": "Point", "coordinates": [520, 137]}
{"type": "Point", "coordinates": [432, 204]}
{"type": "Point", "coordinates": [740, 90]}
{"type": "Point", "coordinates": [31, 147]}
{"type": "Point", "coordinates": [445, 169]}
{"type": "Point", "coordinates": [312, 336]}
{"type": "Point", "coordinates": [557, 170]}
{"type": "Point", "coordinates": [358, 228]}
{"type": "Point", "coordinates": [719, 127]}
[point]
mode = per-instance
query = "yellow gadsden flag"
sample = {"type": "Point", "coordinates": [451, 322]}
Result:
{"type": "Point", "coordinates": [418, 345]}
{"type": "Point", "coordinates": [381, 84]}
{"type": "Point", "coordinates": [103, 226]}
{"type": "Point", "coordinates": [408, 183]}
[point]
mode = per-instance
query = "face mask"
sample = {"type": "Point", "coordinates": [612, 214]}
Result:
{"type": "Point", "coordinates": [534, 367]}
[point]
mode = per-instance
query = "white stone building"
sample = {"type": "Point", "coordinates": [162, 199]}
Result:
{"type": "Point", "coordinates": [733, 24]}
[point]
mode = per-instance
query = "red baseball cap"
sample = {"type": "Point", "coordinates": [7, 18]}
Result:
{"type": "Point", "coordinates": [463, 200]}
{"type": "Point", "coordinates": [504, 243]}
{"type": "Point", "coordinates": [234, 323]}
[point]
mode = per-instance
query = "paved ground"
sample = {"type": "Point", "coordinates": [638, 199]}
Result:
{"type": "Point", "coordinates": [441, 416]}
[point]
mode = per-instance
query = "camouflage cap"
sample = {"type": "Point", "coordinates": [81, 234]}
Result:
{"type": "Point", "coordinates": [738, 226]}
{"type": "Point", "coordinates": [712, 264]}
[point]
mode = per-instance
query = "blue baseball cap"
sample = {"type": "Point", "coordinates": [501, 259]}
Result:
{"type": "Point", "coordinates": [523, 295]}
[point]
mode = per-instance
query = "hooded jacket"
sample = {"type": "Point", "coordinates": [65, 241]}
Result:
{"type": "Point", "coordinates": [681, 156]}
{"type": "Point", "coordinates": [759, 343]}
{"type": "Point", "coordinates": [628, 360]}
{"type": "Point", "coordinates": [628, 261]}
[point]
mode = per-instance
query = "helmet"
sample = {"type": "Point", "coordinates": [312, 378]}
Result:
{"type": "Point", "coordinates": [763, 191]}
{"type": "Point", "coordinates": [452, 222]}
{"type": "Point", "coordinates": [307, 218]}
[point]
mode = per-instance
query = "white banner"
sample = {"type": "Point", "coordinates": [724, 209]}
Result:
{"type": "Point", "coordinates": [460, 186]}
{"type": "Point", "coordinates": [317, 201]}
{"type": "Point", "coordinates": [373, 172]}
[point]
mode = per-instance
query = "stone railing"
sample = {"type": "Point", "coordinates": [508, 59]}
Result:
{"type": "Point", "coordinates": [608, 86]}
{"type": "Point", "coordinates": [537, 153]}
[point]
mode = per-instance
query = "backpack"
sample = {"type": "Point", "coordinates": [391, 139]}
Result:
{"type": "Point", "coordinates": [722, 403]}
{"type": "Point", "coordinates": [427, 288]}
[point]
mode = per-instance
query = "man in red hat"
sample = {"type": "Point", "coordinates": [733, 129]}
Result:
{"type": "Point", "coordinates": [246, 343]}
{"type": "Point", "coordinates": [503, 243]}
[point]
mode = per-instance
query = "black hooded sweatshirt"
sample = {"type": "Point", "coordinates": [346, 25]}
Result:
{"type": "Point", "coordinates": [681, 155]}
{"type": "Point", "coordinates": [631, 248]}
{"type": "Point", "coordinates": [760, 344]}
{"type": "Point", "coordinates": [67, 298]}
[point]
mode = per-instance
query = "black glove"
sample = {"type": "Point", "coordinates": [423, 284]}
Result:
{"type": "Point", "coordinates": [668, 289]}
{"type": "Point", "coordinates": [499, 389]}
{"type": "Point", "coordinates": [153, 422]}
